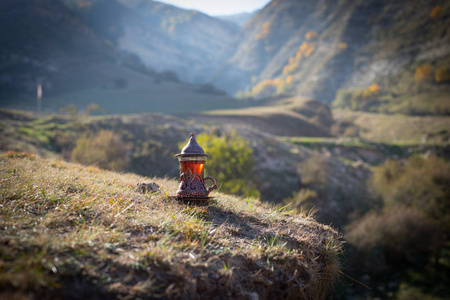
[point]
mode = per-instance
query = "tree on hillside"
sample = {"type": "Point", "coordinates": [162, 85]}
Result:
{"type": "Point", "coordinates": [411, 229]}
{"type": "Point", "coordinates": [105, 150]}
{"type": "Point", "coordinates": [442, 75]}
{"type": "Point", "coordinates": [230, 163]}
{"type": "Point", "coordinates": [424, 73]}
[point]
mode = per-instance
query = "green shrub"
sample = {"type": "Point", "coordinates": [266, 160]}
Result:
{"type": "Point", "coordinates": [442, 75]}
{"type": "Point", "coordinates": [361, 99]}
{"type": "Point", "coordinates": [321, 193]}
{"type": "Point", "coordinates": [105, 150]}
{"type": "Point", "coordinates": [397, 229]}
{"type": "Point", "coordinates": [305, 199]}
{"type": "Point", "coordinates": [230, 163]}
{"type": "Point", "coordinates": [408, 292]}
{"type": "Point", "coordinates": [413, 224]}
{"type": "Point", "coordinates": [420, 183]}
{"type": "Point", "coordinates": [63, 143]}
{"type": "Point", "coordinates": [314, 170]}
{"type": "Point", "coordinates": [342, 99]}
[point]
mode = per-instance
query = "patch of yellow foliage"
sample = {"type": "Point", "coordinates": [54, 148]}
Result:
{"type": "Point", "coordinates": [442, 75]}
{"type": "Point", "coordinates": [305, 50]}
{"type": "Point", "coordinates": [303, 47]}
{"type": "Point", "coordinates": [436, 12]}
{"type": "Point", "coordinates": [371, 91]}
{"type": "Point", "coordinates": [374, 88]}
{"type": "Point", "coordinates": [343, 46]}
{"type": "Point", "coordinates": [272, 86]}
{"type": "Point", "coordinates": [289, 79]}
{"type": "Point", "coordinates": [311, 35]}
{"type": "Point", "coordinates": [309, 50]}
{"type": "Point", "coordinates": [263, 86]}
{"type": "Point", "coordinates": [424, 73]}
{"type": "Point", "coordinates": [264, 31]}
{"type": "Point", "coordinates": [290, 68]}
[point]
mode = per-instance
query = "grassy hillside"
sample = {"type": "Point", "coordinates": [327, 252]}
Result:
{"type": "Point", "coordinates": [145, 144]}
{"type": "Point", "coordinates": [142, 94]}
{"type": "Point", "coordinates": [280, 116]}
{"type": "Point", "coordinates": [71, 231]}
{"type": "Point", "coordinates": [397, 128]}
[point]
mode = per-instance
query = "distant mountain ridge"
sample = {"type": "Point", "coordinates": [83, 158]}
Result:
{"type": "Point", "coordinates": [42, 41]}
{"type": "Point", "coordinates": [163, 36]}
{"type": "Point", "coordinates": [240, 19]}
{"type": "Point", "coordinates": [316, 48]}
{"type": "Point", "coordinates": [364, 55]}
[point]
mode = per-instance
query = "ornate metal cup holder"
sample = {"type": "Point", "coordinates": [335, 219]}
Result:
{"type": "Point", "coordinates": [192, 187]}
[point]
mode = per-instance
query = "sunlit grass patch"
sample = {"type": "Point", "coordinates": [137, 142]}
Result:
{"type": "Point", "coordinates": [63, 225]}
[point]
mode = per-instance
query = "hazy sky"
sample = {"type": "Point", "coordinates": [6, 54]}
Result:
{"type": "Point", "coordinates": [219, 7]}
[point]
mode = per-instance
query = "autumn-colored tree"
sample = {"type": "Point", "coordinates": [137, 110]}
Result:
{"type": "Point", "coordinates": [305, 50]}
{"type": "Point", "coordinates": [343, 46]}
{"type": "Point", "coordinates": [303, 47]}
{"type": "Point", "coordinates": [289, 79]}
{"type": "Point", "coordinates": [358, 99]}
{"type": "Point", "coordinates": [290, 68]}
{"type": "Point", "coordinates": [424, 73]}
{"type": "Point", "coordinates": [370, 92]}
{"type": "Point", "coordinates": [442, 75]}
{"type": "Point", "coordinates": [311, 35]}
{"type": "Point", "coordinates": [309, 51]}
{"type": "Point", "coordinates": [265, 30]}
{"type": "Point", "coordinates": [374, 88]}
{"type": "Point", "coordinates": [436, 12]}
{"type": "Point", "coordinates": [264, 88]}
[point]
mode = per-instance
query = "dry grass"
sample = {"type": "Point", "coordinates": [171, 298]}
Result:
{"type": "Point", "coordinates": [293, 116]}
{"type": "Point", "coordinates": [268, 107]}
{"type": "Point", "coordinates": [69, 231]}
{"type": "Point", "coordinates": [398, 128]}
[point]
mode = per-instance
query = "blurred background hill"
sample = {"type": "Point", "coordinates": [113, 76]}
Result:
{"type": "Point", "coordinates": [374, 56]}
{"type": "Point", "coordinates": [393, 53]}
{"type": "Point", "coordinates": [77, 58]}
{"type": "Point", "coordinates": [341, 105]}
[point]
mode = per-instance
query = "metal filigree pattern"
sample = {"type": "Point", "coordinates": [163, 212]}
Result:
{"type": "Point", "coordinates": [192, 185]}
{"type": "Point", "coordinates": [192, 148]}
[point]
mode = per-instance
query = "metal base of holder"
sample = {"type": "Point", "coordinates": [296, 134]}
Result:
{"type": "Point", "coordinates": [197, 201]}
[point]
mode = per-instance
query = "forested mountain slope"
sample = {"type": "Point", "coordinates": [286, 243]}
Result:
{"type": "Point", "coordinates": [397, 52]}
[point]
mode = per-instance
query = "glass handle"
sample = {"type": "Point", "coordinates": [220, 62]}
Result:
{"type": "Point", "coordinates": [214, 186]}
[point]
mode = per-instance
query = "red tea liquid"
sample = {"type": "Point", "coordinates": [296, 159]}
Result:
{"type": "Point", "coordinates": [194, 166]}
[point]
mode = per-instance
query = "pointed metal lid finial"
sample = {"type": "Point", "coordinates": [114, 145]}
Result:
{"type": "Point", "coordinates": [192, 148]}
